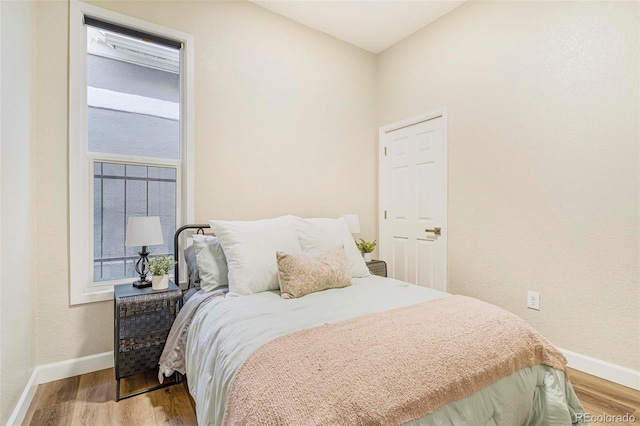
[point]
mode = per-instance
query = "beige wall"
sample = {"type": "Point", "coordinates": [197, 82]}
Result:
{"type": "Point", "coordinates": [543, 152]}
{"type": "Point", "coordinates": [543, 104]}
{"type": "Point", "coordinates": [285, 123]}
{"type": "Point", "coordinates": [17, 196]}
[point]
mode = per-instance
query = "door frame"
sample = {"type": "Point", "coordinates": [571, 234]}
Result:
{"type": "Point", "coordinates": [384, 192]}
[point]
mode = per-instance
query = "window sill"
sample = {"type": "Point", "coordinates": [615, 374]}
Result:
{"type": "Point", "coordinates": [91, 295]}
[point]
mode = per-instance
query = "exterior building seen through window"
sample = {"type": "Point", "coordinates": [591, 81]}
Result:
{"type": "Point", "coordinates": [133, 142]}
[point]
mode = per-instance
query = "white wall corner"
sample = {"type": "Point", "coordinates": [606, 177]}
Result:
{"type": "Point", "coordinates": [57, 371]}
{"type": "Point", "coordinates": [603, 369]}
{"type": "Point", "coordinates": [20, 411]}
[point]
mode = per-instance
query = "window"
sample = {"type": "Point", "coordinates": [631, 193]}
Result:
{"type": "Point", "coordinates": [130, 140]}
{"type": "Point", "coordinates": [123, 190]}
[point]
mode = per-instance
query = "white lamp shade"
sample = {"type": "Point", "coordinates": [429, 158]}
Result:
{"type": "Point", "coordinates": [144, 231]}
{"type": "Point", "coordinates": [353, 222]}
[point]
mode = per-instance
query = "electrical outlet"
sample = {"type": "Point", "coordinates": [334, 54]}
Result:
{"type": "Point", "coordinates": [533, 300]}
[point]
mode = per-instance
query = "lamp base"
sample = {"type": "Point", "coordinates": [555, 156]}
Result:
{"type": "Point", "coordinates": [142, 284]}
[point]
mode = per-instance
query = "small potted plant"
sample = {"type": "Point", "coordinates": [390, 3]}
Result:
{"type": "Point", "coordinates": [160, 266]}
{"type": "Point", "coordinates": [366, 248]}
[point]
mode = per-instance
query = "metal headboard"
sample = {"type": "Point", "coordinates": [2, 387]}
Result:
{"type": "Point", "coordinates": [176, 239]}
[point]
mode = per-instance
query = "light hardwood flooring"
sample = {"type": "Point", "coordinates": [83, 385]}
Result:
{"type": "Point", "coordinates": [600, 397]}
{"type": "Point", "coordinates": [89, 399]}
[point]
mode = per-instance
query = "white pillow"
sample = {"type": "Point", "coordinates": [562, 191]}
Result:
{"type": "Point", "coordinates": [250, 248]}
{"type": "Point", "coordinates": [212, 263]}
{"type": "Point", "coordinates": [320, 234]}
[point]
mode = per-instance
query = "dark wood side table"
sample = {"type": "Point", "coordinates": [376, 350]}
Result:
{"type": "Point", "coordinates": [378, 267]}
{"type": "Point", "coordinates": [143, 318]}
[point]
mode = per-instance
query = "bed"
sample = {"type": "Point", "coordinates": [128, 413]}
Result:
{"type": "Point", "coordinates": [364, 350]}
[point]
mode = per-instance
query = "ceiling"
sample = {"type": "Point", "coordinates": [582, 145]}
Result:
{"type": "Point", "coordinates": [372, 25]}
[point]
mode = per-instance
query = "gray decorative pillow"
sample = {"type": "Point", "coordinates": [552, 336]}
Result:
{"type": "Point", "coordinates": [300, 275]}
{"type": "Point", "coordinates": [192, 266]}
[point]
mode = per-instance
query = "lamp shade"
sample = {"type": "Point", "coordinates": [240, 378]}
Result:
{"type": "Point", "coordinates": [353, 222]}
{"type": "Point", "coordinates": [143, 231]}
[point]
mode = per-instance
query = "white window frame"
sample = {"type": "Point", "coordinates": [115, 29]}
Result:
{"type": "Point", "coordinates": [82, 287]}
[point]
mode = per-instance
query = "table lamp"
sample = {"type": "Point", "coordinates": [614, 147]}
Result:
{"type": "Point", "coordinates": [353, 222]}
{"type": "Point", "coordinates": [143, 231]}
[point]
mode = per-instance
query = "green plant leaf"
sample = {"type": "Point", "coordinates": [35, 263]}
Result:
{"type": "Point", "coordinates": [160, 265]}
{"type": "Point", "coordinates": [366, 246]}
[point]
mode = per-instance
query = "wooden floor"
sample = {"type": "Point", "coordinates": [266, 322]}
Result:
{"type": "Point", "coordinates": [90, 400]}
{"type": "Point", "coordinates": [599, 397]}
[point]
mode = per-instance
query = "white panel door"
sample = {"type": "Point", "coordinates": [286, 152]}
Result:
{"type": "Point", "coordinates": [413, 200]}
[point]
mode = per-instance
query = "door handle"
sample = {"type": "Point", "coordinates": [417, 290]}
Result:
{"type": "Point", "coordinates": [437, 231]}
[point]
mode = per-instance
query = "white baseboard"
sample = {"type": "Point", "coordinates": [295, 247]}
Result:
{"type": "Point", "coordinates": [57, 371]}
{"type": "Point", "coordinates": [603, 369]}
{"type": "Point", "coordinates": [74, 367]}
{"type": "Point", "coordinates": [19, 413]}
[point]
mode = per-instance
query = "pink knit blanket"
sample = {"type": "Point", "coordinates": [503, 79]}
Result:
{"type": "Point", "coordinates": [385, 368]}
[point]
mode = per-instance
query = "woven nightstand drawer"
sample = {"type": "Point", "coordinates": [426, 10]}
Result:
{"type": "Point", "coordinates": [378, 267]}
{"type": "Point", "coordinates": [141, 323]}
{"type": "Point", "coordinates": [140, 354]}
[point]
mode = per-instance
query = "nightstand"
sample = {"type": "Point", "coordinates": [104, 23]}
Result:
{"type": "Point", "coordinates": [378, 267]}
{"type": "Point", "coordinates": [143, 318]}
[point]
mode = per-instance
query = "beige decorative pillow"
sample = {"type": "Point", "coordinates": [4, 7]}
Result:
{"type": "Point", "coordinates": [300, 275]}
